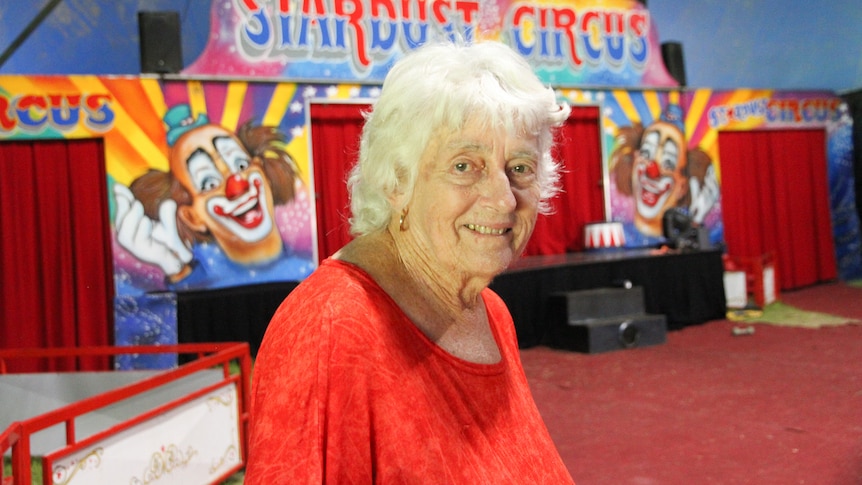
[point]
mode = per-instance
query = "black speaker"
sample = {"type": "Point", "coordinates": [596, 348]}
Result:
{"type": "Point", "coordinates": [161, 47]}
{"type": "Point", "coordinates": [671, 53]}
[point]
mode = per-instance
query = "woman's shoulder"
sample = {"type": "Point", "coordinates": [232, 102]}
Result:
{"type": "Point", "coordinates": [337, 307]}
{"type": "Point", "coordinates": [332, 286]}
{"type": "Point", "coordinates": [336, 276]}
{"type": "Point", "coordinates": [336, 295]}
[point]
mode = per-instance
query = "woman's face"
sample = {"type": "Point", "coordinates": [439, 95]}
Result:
{"type": "Point", "coordinates": [475, 200]}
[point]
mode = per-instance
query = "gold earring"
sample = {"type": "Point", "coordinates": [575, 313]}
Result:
{"type": "Point", "coordinates": [403, 218]}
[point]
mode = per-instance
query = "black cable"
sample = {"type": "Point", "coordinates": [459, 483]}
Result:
{"type": "Point", "coordinates": [46, 10]}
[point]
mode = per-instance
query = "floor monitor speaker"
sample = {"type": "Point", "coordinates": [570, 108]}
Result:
{"type": "Point", "coordinates": [602, 319]}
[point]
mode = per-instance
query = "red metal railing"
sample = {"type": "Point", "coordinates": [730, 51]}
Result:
{"type": "Point", "coordinates": [209, 355]}
{"type": "Point", "coordinates": [762, 290]}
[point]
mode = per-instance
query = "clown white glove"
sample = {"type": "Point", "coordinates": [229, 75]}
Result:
{"type": "Point", "coordinates": [154, 242]}
{"type": "Point", "coordinates": [703, 196]}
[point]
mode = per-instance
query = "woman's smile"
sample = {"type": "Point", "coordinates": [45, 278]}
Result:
{"type": "Point", "coordinates": [490, 231]}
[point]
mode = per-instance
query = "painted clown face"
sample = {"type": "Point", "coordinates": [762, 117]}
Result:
{"type": "Point", "coordinates": [658, 177]}
{"type": "Point", "coordinates": [231, 196]}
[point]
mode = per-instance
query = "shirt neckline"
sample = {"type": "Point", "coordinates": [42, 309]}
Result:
{"type": "Point", "coordinates": [473, 367]}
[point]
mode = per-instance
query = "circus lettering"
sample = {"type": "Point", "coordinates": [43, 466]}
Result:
{"type": "Point", "coordinates": [722, 115]}
{"type": "Point", "coordinates": [784, 110]}
{"type": "Point", "coordinates": [590, 42]}
{"type": "Point", "coordinates": [814, 110]}
{"type": "Point", "coordinates": [776, 110]}
{"type": "Point", "coordinates": [34, 113]}
{"type": "Point", "coordinates": [347, 29]}
{"type": "Point", "coordinates": [560, 36]}
{"type": "Point", "coordinates": [819, 110]}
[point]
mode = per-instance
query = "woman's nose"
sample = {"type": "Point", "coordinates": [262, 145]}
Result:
{"type": "Point", "coordinates": [498, 190]}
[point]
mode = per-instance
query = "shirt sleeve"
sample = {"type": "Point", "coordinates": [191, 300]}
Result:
{"type": "Point", "coordinates": [310, 420]}
{"type": "Point", "coordinates": [284, 429]}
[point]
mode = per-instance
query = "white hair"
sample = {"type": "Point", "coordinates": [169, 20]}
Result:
{"type": "Point", "coordinates": [440, 86]}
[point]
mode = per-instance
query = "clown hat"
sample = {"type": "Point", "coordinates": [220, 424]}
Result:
{"type": "Point", "coordinates": [179, 120]}
{"type": "Point", "coordinates": [673, 114]}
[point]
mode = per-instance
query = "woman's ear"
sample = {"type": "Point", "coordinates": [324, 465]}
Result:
{"type": "Point", "coordinates": [397, 202]}
{"type": "Point", "coordinates": [398, 199]}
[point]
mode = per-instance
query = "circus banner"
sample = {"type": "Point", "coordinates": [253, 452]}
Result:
{"type": "Point", "coordinates": [210, 182]}
{"type": "Point", "coordinates": [223, 198]}
{"type": "Point", "coordinates": [650, 126]}
{"type": "Point", "coordinates": [709, 112]}
{"type": "Point", "coordinates": [229, 173]}
{"type": "Point", "coordinates": [583, 42]}
{"type": "Point", "coordinates": [678, 131]}
{"type": "Point", "coordinates": [168, 147]}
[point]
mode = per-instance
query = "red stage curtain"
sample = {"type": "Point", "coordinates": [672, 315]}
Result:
{"type": "Point", "coordinates": [775, 198]}
{"type": "Point", "coordinates": [335, 130]}
{"type": "Point", "coordinates": [57, 285]}
{"type": "Point", "coordinates": [582, 199]}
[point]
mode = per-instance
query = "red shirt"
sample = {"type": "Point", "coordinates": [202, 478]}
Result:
{"type": "Point", "coordinates": [347, 390]}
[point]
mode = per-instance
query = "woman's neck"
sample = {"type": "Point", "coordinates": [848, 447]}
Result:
{"type": "Point", "coordinates": [448, 312]}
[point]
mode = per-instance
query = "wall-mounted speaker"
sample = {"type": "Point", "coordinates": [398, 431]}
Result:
{"type": "Point", "coordinates": [161, 46]}
{"type": "Point", "coordinates": [671, 53]}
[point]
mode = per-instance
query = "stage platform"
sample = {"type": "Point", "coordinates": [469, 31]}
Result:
{"type": "Point", "coordinates": [684, 285]}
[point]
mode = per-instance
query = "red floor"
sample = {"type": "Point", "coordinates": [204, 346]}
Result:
{"type": "Point", "coordinates": [781, 406]}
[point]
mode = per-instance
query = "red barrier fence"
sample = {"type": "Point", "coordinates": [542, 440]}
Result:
{"type": "Point", "coordinates": [208, 356]}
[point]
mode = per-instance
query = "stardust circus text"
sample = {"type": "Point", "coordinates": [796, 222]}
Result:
{"type": "Point", "coordinates": [367, 31]}
{"type": "Point", "coordinates": [807, 110]}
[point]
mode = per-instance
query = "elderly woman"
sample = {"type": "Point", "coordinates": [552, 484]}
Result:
{"type": "Point", "coordinates": [394, 362]}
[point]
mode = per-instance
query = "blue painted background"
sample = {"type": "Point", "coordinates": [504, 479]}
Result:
{"type": "Point", "coordinates": [727, 44]}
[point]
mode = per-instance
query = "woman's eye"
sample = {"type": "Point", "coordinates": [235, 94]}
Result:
{"type": "Point", "coordinates": [523, 167]}
{"type": "Point", "coordinates": [522, 175]}
{"type": "Point", "coordinates": [462, 166]}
